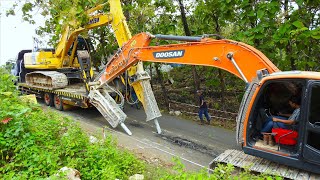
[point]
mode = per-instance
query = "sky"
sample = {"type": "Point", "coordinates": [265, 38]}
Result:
{"type": "Point", "coordinates": [15, 35]}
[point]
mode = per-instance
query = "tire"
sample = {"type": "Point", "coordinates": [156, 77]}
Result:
{"type": "Point", "coordinates": [58, 103]}
{"type": "Point", "coordinates": [48, 99]}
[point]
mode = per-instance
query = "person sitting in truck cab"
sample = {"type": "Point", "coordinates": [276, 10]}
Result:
{"type": "Point", "coordinates": [282, 121]}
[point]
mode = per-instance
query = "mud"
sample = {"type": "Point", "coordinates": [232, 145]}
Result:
{"type": "Point", "coordinates": [189, 144]}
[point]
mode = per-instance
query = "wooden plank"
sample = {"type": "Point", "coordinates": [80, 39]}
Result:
{"type": "Point", "coordinates": [236, 159]}
{"type": "Point", "coordinates": [256, 164]}
{"type": "Point", "coordinates": [273, 168]}
{"type": "Point", "coordinates": [283, 169]}
{"type": "Point", "coordinates": [314, 176]}
{"type": "Point", "coordinates": [242, 158]}
{"type": "Point", "coordinates": [250, 161]}
{"type": "Point", "coordinates": [225, 154]}
{"type": "Point", "coordinates": [231, 156]}
{"type": "Point", "coordinates": [303, 175]}
{"type": "Point", "coordinates": [291, 173]}
{"type": "Point", "coordinates": [262, 166]}
{"type": "Point", "coordinates": [220, 159]}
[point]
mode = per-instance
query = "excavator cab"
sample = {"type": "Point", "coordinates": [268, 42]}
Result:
{"type": "Point", "coordinates": [20, 70]}
{"type": "Point", "coordinates": [81, 44]}
{"type": "Point", "coordinates": [272, 101]}
{"type": "Point", "coordinates": [295, 145]}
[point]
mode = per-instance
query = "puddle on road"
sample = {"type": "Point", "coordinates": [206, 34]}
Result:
{"type": "Point", "coordinates": [136, 125]}
{"type": "Point", "coordinates": [189, 144]}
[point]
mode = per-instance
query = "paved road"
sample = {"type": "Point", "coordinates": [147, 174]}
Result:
{"type": "Point", "coordinates": [195, 144]}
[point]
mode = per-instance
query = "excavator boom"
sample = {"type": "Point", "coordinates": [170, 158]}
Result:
{"type": "Point", "coordinates": [61, 58]}
{"type": "Point", "coordinates": [115, 18]}
{"type": "Point", "coordinates": [235, 57]}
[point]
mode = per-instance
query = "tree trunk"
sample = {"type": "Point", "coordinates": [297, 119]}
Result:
{"type": "Point", "coordinates": [253, 22]}
{"type": "Point", "coordinates": [216, 20]}
{"type": "Point", "coordinates": [289, 46]}
{"type": "Point", "coordinates": [187, 32]}
{"type": "Point", "coordinates": [163, 87]}
{"type": "Point", "coordinates": [103, 41]}
{"type": "Point", "coordinates": [222, 89]}
{"type": "Point", "coordinates": [184, 19]}
{"type": "Point", "coordinates": [126, 13]}
{"type": "Point", "coordinates": [221, 77]}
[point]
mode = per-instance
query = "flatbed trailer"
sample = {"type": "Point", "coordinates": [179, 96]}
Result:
{"type": "Point", "coordinates": [77, 95]}
{"type": "Point", "coordinates": [74, 95]}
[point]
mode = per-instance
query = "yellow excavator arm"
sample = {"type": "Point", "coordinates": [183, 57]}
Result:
{"type": "Point", "coordinates": [115, 18]}
{"type": "Point", "coordinates": [60, 58]}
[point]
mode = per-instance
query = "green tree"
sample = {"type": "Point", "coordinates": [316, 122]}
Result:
{"type": "Point", "coordinates": [298, 35]}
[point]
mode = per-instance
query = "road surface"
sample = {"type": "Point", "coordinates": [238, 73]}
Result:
{"type": "Point", "coordinates": [196, 145]}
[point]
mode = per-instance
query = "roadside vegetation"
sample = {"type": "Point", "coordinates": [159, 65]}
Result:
{"type": "Point", "coordinates": [35, 144]}
{"type": "Point", "coordinates": [287, 32]}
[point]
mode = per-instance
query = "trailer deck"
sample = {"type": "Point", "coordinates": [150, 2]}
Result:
{"type": "Point", "coordinates": [74, 90]}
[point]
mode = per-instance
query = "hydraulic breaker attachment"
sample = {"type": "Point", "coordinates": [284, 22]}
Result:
{"type": "Point", "coordinates": [106, 105]}
{"type": "Point", "coordinates": [145, 94]}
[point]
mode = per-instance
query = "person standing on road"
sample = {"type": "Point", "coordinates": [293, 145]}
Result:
{"type": "Point", "coordinates": [203, 108]}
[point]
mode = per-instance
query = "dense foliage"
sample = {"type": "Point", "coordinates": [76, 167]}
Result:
{"type": "Point", "coordinates": [286, 31]}
{"type": "Point", "coordinates": [35, 143]}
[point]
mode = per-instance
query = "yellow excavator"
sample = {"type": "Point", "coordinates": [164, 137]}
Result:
{"type": "Point", "coordinates": [53, 67]}
{"type": "Point", "coordinates": [64, 75]}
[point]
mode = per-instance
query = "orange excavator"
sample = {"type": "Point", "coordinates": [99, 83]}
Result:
{"type": "Point", "coordinates": [267, 89]}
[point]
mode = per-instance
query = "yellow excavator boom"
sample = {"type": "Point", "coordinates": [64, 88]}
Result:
{"type": "Point", "coordinates": [60, 58]}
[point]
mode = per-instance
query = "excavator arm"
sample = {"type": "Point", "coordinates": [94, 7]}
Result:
{"type": "Point", "coordinates": [238, 58]}
{"type": "Point", "coordinates": [115, 18]}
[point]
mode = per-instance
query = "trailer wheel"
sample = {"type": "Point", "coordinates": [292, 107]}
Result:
{"type": "Point", "coordinates": [48, 99]}
{"type": "Point", "coordinates": [58, 104]}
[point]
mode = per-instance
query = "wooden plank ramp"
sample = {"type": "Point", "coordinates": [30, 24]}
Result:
{"type": "Point", "coordinates": [256, 164]}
